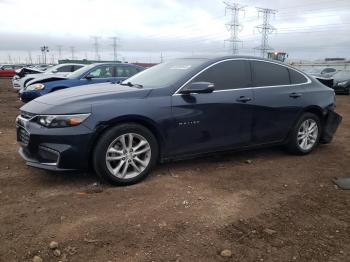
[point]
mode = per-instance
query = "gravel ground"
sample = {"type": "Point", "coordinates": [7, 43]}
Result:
{"type": "Point", "coordinates": [262, 205]}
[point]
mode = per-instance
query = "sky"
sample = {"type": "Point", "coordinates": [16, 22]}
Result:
{"type": "Point", "coordinates": [151, 30]}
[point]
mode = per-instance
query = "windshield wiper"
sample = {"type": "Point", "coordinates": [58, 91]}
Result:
{"type": "Point", "coordinates": [131, 84]}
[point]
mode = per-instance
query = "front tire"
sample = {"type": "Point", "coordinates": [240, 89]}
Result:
{"type": "Point", "coordinates": [305, 135]}
{"type": "Point", "coordinates": [125, 154]}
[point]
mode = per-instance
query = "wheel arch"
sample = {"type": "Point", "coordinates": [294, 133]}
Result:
{"type": "Point", "coordinates": [136, 119]}
{"type": "Point", "coordinates": [317, 110]}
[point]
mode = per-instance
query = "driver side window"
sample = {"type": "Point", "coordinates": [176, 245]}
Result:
{"type": "Point", "coordinates": [227, 75]}
{"type": "Point", "coordinates": [102, 72]}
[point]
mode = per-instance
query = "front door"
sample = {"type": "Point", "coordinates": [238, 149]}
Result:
{"type": "Point", "coordinates": [218, 120]}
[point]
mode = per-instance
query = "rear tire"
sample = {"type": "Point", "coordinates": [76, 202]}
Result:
{"type": "Point", "coordinates": [125, 154]}
{"type": "Point", "coordinates": [305, 135]}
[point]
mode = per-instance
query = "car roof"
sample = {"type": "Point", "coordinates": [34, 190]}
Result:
{"type": "Point", "coordinates": [71, 64]}
{"type": "Point", "coordinates": [220, 58]}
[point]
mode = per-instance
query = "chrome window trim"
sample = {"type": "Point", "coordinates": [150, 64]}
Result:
{"type": "Point", "coordinates": [253, 87]}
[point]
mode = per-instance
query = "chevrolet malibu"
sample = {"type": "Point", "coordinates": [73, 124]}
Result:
{"type": "Point", "coordinates": [179, 109]}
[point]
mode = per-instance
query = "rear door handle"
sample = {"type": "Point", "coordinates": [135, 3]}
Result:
{"type": "Point", "coordinates": [295, 95]}
{"type": "Point", "coordinates": [243, 99]}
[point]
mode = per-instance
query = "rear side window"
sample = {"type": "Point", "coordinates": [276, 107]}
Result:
{"type": "Point", "coordinates": [269, 74]}
{"type": "Point", "coordinates": [296, 77]}
{"type": "Point", "coordinates": [76, 67]}
{"type": "Point", "coordinates": [126, 71]}
{"type": "Point", "coordinates": [67, 68]}
{"type": "Point", "coordinates": [227, 75]}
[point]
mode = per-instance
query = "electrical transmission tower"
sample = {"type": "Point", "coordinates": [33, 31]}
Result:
{"type": "Point", "coordinates": [265, 29]}
{"type": "Point", "coordinates": [97, 47]}
{"type": "Point", "coordinates": [115, 46]}
{"type": "Point", "coordinates": [234, 27]}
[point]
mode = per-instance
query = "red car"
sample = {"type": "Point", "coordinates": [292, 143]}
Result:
{"type": "Point", "coordinates": [8, 70]}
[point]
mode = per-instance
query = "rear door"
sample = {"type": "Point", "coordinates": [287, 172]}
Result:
{"type": "Point", "coordinates": [279, 99]}
{"type": "Point", "coordinates": [218, 120]}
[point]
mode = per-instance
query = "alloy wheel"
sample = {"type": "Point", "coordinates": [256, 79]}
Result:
{"type": "Point", "coordinates": [128, 155]}
{"type": "Point", "coordinates": [307, 134]}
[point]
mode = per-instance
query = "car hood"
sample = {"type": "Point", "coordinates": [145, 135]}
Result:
{"type": "Point", "coordinates": [81, 99]}
{"type": "Point", "coordinates": [44, 78]}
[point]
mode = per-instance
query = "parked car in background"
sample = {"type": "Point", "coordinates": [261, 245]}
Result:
{"type": "Point", "coordinates": [22, 72]}
{"type": "Point", "coordinates": [325, 72]}
{"type": "Point", "coordinates": [8, 70]}
{"type": "Point", "coordinates": [341, 82]}
{"type": "Point", "coordinates": [19, 83]}
{"type": "Point", "coordinates": [177, 109]}
{"type": "Point", "coordinates": [328, 72]}
{"type": "Point", "coordinates": [91, 74]}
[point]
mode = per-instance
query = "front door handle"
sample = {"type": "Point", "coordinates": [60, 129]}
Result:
{"type": "Point", "coordinates": [243, 99]}
{"type": "Point", "coordinates": [295, 95]}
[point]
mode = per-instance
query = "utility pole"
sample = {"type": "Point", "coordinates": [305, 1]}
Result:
{"type": "Point", "coordinates": [72, 50]}
{"type": "Point", "coordinates": [30, 60]}
{"type": "Point", "coordinates": [161, 57]}
{"type": "Point", "coordinates": [115, 46]}
{"type": "Point", "coordinates": [44, 49]}
{"type": "Point", "coordinates": [265, 29]}
{"type": "Point", "coordinates": [234, 27]}
{"type": "Point", "coordinates": [59, 49]}
{"type": "Point", "coordinates": [97, 47]}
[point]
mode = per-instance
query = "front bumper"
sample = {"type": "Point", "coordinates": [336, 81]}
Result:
{"type": "Point", "coordinates": [53, 166]}
{"type": "Point", "coordinates": [341, 89]}
{"type": "Point", "coordinates": [27, 96]}
{"type": "Point", "coordinates": [56, 149]}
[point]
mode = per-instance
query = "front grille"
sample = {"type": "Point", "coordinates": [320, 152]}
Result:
{"type": "Point", "coordinates": [23, 136]}
{"type": "Point", "coordinates": [27, 115]}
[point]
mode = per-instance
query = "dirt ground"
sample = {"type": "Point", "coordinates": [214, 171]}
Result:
{"type": "Point", "coordinates": [275, 207]}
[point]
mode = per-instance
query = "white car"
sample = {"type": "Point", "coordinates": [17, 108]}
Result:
{"type": "Point", "coordinates": [62, 69]}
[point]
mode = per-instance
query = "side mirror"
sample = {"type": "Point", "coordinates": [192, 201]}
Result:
{"type": "Point", "coordinates": [198, 88]}
{"type": "Point", "coordinates": [89, 77]}
{"type": "Point", "coordinates": [55, 71]}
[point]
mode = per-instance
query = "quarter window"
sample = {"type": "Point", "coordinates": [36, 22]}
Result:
{"type": "Point", "coordinates": [296, 77]}
{"type": "Point", "coordinates": [269, 74]}
{"type": "Point", "coordinates": [227, 75]}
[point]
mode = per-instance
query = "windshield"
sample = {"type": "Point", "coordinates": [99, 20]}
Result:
{"type": "Point", "coordinates": [80, 71]}
{"type": "Point", "coordinates": [52, 69]}
{"type": "Point", "coordinates": [166, 73]}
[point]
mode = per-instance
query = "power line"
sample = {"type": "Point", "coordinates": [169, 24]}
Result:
{"type": "Point", "coordinates": [265, 29]}
{"type": "Point", "coordinates": [234, 26]}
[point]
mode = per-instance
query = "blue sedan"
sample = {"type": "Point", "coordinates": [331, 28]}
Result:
{"type": "Point", "coordinates": [91, 74]}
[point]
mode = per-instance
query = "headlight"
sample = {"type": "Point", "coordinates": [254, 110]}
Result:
{"type": "Point", "coordinates": [344, 83]}
{"type": "Point", "coordinates": [56, 121]}
{"type": "Point", "coordinates": [35, 87]}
